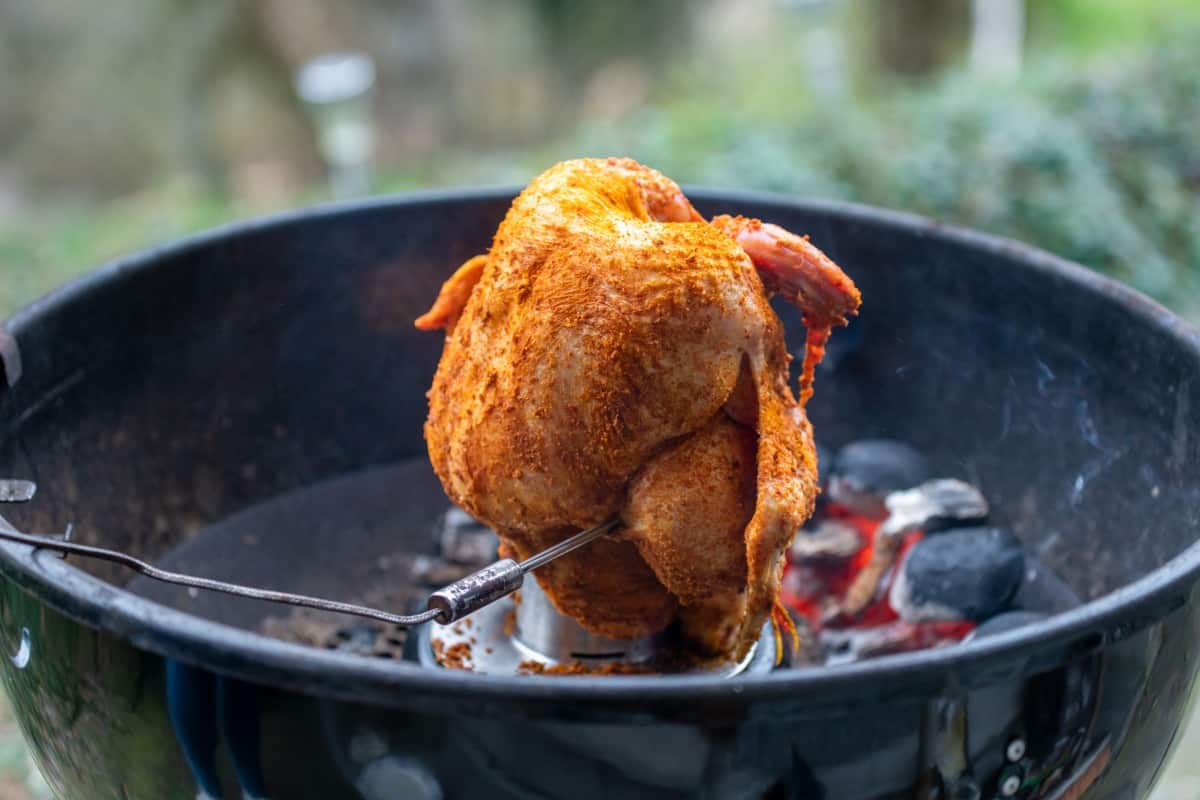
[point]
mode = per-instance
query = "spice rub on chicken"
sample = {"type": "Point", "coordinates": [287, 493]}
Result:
{"type": "Point", "coordinates": [613, 353]}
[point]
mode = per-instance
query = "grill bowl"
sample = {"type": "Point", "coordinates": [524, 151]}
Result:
{"type": "Point", "coordinates": [171, 390]}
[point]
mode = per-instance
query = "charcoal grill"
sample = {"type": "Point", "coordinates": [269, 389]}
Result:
{"type": "Point", "coordinates": [247, 405]}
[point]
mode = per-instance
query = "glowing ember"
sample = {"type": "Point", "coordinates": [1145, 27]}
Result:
{"type": "Point", "coordinates": [814, 589]}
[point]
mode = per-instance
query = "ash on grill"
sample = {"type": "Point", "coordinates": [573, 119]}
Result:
{"type": "Point", "coordinates": [460, 546]}
{"type": "Point", "coordinates": [895, 561]}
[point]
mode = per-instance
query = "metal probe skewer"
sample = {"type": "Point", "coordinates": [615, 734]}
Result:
{"type": "Point", "coordinates": [450, 603]}
{"type": "Point", "coordinates": [504, 577]}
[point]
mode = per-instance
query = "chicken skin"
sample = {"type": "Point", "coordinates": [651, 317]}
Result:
{"type": "Point", "coordinates": [615, 354]}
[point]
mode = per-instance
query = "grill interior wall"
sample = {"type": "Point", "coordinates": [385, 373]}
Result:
{"type": "Point", "coordinates": [155, 402]}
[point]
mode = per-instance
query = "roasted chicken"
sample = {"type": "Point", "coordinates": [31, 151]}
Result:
{"type": "Point", "coordinates": [616, 354]}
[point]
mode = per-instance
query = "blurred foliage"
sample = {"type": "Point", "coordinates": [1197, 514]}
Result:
{"type": "Point", "coordinates": [1097, 161]}
{"type": "Point", "coordinates": [1106, 25]}
{"type": "Point", "coordinates": [39, 253]}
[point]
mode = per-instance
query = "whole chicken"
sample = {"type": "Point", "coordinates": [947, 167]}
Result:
{"type": "Point", "coordinates": [616, 354]}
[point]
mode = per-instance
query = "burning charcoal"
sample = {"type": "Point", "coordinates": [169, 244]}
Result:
{"type": "Point", "coordinates": [866, 471]}
{"type": "Point", "coordinates": [845, 646]}
{"type": "Point", "coordinates": [969, 573]}
{"type": "Point", "coordinates": [462, 540]}
{"type": "Point", "coordinates": [830, 540]}
{"type": "Point", "coordinates": [935, 505]}
{"type": "Point", "coordinates": [1043, 591]}
{"type": "Point", "coordinates": [1007, 621]}
{"type": "Point", "coordinates": [932, 505]}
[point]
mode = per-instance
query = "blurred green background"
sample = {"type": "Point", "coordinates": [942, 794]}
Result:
{"type": "Point", "coordinates": [1070, 124]}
